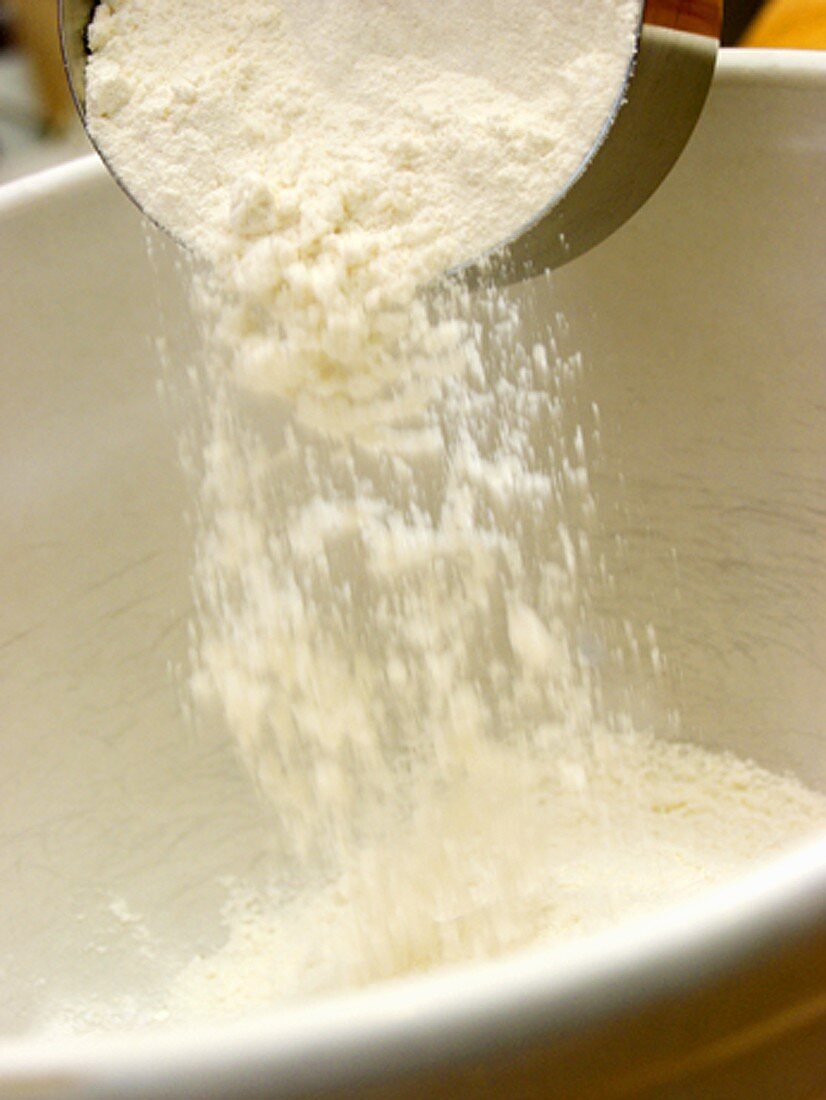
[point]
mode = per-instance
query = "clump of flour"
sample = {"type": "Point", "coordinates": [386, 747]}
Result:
{"type": "Point", "coordinates": [393, 572]}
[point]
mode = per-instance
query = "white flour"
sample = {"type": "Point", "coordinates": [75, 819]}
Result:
{"type": "Point", "coordinates": [329, 157]}
{"type": "Point", "coordinates": [393, 575]}
{"type": "Point", "coordinates": [511, 857]}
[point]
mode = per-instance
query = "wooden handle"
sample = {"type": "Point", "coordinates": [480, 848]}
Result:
{"type": "Point", "coordinates": [695, 16]}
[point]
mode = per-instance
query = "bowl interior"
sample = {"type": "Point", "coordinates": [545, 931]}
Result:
{"type": "Point", "coordinates": [701, 328]}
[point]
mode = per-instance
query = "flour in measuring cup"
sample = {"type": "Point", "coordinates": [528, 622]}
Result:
{"type": "Point", "coordinates": [328, 159]}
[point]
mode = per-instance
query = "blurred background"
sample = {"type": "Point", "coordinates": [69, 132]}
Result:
{"type": "Point", "coordinates": [38, 126]}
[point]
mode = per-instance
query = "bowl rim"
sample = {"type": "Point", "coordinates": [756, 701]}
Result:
{"type": "Point", "coordinates": [435, 1019]}
{"type": "Point", "coordinates": [438, 1019]}
{"type": "Point", "coordinates": [759, 65]}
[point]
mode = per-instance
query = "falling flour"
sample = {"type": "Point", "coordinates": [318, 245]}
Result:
{"type": "Point", "coordinates": [393, 566]}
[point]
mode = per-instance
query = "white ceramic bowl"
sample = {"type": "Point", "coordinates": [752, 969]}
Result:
{"type": "Point", "coordinates": [703, 323]}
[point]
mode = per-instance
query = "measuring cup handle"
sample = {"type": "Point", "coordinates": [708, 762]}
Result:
{"type": "Point", "coordinates": [695, 16]}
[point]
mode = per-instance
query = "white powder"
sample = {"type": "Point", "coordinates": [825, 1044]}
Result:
{"type": "Point", "coordinates": [370, 619]}
{"type": "Point", "coordinates": [388, 620]}
{"type": "Point", "coordinates": [444, 125]}
{"type": "Point", "coordinates": [517, 854]}
{"type": "Point", "coordinates": [510, 857]}
{"type": "Point", "coordinates": [330, 158]}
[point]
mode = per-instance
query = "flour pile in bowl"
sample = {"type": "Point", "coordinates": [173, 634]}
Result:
{"type": "Point", "coordinates": [394, 573]}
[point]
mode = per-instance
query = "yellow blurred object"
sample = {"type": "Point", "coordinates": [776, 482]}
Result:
{"type": "Point", "coordinates": [789, 24]}
{"type": "Point", "coordinates": [35, 22]}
